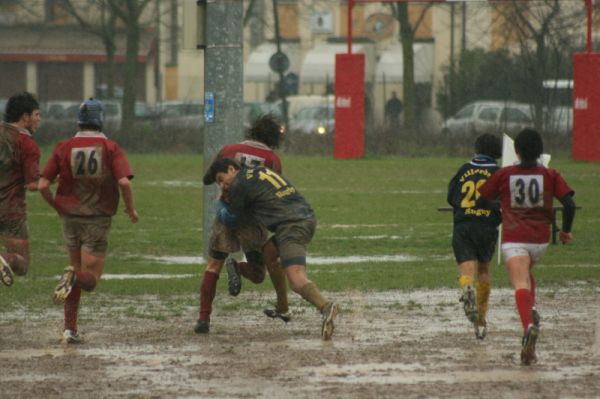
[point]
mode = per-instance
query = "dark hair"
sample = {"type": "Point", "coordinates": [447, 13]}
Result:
{"type": "Point", "coordinates": [19, 104]}
{"type": "Point", "coordinates": [219, 165]}
{"type": "Point", "coordinates": [267, 130]}
{"type": "Point", "coordinates": [529, 145]}
{"type": "Point", "coordinates": [489, 144]}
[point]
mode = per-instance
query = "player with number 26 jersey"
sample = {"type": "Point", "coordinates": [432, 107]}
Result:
{"type": "Point", "coordinates": [90, 165]}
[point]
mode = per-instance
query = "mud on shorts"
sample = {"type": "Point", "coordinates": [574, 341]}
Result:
{"type": "Point", "coordinates": [88, 233]}
{"type": "Point", "coordinates": [474, 241]}
{"type": "Point", "coordinates": [14, 228]}
{"type": "Point", "coordinates": [291, 240]}
{"type": "Point", "coordinates": [250, 236]}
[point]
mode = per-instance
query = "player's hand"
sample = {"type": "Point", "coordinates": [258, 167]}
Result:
{"type": "Point", "coordinates": [133, 216]}
{"type": "Point", "coordinates": [565, 238]}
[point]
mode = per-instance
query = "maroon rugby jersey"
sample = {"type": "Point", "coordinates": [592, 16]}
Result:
{"type": "Point", "coordinates": [250, 154]}
{"type": "Point", "coordinates": [526, 196]}
{"type": "Point", "coordinates": [19, 165]}
{"type": "Point", "coordinates": [89, 166]}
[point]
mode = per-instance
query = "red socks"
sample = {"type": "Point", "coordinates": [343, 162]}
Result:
{"type": "Point", "coordinates": [208, 289]}
{"type": "Point", "coordinates": [70, 308]}
{"type": "Point", "coordinates": [524, 301]}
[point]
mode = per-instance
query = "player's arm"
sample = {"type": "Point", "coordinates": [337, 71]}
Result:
{"type": "Point", "coordinates": [126, 190]}
{"type": "Point", "coordinates": [569, 207]}
{"type": "Point", "coordinates": [226, 216]}
{"type": "Point", "coordinates": [43, 186]}
{"type": "Point", "coordinates": [31, 166]}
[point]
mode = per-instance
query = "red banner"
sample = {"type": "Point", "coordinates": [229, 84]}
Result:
{"type": "Point", "coordinates": [349, 140]}
{"type": "Point", "coordinates": [586, 107]}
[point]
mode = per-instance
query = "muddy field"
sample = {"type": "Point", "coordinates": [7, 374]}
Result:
{"type": "Point", "coordinates": [392, 344]}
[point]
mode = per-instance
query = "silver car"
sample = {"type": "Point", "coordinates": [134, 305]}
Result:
{"type": "Point", "coordinates": [488, 117]}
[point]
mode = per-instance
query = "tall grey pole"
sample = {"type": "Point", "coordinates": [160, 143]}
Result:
{"type": "Point", "coordinates": [223, 85]}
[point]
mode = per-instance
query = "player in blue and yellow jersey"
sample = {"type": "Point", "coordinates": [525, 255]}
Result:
{"type": "Point", "coordinates": [475, 229]}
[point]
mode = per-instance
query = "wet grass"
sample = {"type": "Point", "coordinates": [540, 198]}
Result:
{"type": "Point", "coordinates": [373, 206]}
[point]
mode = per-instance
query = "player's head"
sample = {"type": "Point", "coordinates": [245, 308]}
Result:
{"type": "Point", "coordinates": [529, 145]}
{"type": "Point", "coordinates": [489, 144]}
{"type": "Point", "coordinates": [21, 105]}
{"type": "Point", "coordinates": [267, 130]}
{"type": "Point", "coordinates": [90, 115]}
{"type": "Point", "coordinates": [219, 165]}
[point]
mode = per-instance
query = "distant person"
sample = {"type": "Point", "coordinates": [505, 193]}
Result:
{"type": "Point", "coordinates": [249, 236]}
{"type": "Point", "coordinates": [19, 171]}
{"type": "Point", "coordinates": [91, 171]}
{"type": "Point", "coordinates": [475, 230]}
{"type": "Point", "coordinates": [526, 193]}
{"type": "Point", "coordinates": [275, 203]}
{"type": "Point", "coordinates": [393, 109]}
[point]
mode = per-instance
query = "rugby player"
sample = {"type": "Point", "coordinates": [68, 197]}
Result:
{"type": "Point", "coordinates": [526, 193]}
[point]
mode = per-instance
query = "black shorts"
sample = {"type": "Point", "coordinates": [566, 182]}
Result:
{"type": "Point", "coordinates": [474, 241]}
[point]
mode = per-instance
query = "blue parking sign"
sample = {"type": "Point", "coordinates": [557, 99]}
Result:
{"type": "Point", "coordinates": [209, 107]}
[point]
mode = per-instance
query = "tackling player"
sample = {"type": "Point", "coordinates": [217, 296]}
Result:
{"type": "Point", "coordinates": [526, 193]}
{"type": "Point", "coordinates": [475, 230]}
{"type": "Point", "coordinates": [19, 171]}
{"type": "Point", "coordinates": [263, 137]}
{"type": "Point", "coordinates": [92, 170]}
{"type": "Point", "coordinates": [275, 203]}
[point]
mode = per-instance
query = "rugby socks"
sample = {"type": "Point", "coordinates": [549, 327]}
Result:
{"type": "Point", "coordinates": [483, 296]}
{"type": "Point", "coordinates": [465, 280]}
{"type": "Point", "coordinates": [532, 285]}
{"type": "Point", "coordinates": [70, 308]}
{"type": "Point", "coordinates": [310, 292]}
{"type": "Point", "coordinates": [85, 280]}
{"type": "Point", "coordinates": [208, 289]}
{"type": "Point", "coordinates": [524, 303]}
{"type": "Point", "coordinates": [277, 275]}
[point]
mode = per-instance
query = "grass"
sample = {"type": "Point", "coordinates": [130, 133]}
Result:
{"type": "Point", "coordinates": [373, 206]}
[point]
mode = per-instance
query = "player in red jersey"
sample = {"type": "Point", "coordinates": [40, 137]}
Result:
{"type": "Point", "coordinates": [526, 193]}
{"type": "Point", "coordinates": [263, 137]}
{"type": "Point", "coordinates": [91, 170]}
{"type": "Point", "coordinates": [19, 171]}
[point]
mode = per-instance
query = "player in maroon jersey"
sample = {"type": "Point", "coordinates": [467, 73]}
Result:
{"type": "Point", "coordinates": [526, 193]}
{"type": "Point", "coordinates": [263, 137]}
{"type": "Point", "coordinates": [19, 171]}
{"type": "Point", "coordinates": [91, 170]}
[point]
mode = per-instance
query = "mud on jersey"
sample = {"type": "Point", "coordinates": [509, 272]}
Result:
{"type": "Point", "coordinates": [250, 154]}
{"type": "Point", "coordinates": [463, 191]}
{"type": "Point", "coordinates": [267, 197]}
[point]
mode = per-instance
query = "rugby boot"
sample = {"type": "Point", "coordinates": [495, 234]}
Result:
{"type": "Point", "coordinates": [329, 312]}
{"type": "Point", "coordinates": [275, 314]}
{"type": "Point", "coordinates": [528, 351]}
{"type": "Point", "coordinates": [6, 273]}
{"type": "Point", "coordinates": [202, 327]}
{"type": "Point", "coordinates": [64, 287]}
{"type": "Point", "coordinates": [234, 279]}
{"type": "Point", "coordinates": [480, 327]}
{"type": "Point", "coordinates": [469, 303]}
{"type": "Point", "coordinates": [70, 337]}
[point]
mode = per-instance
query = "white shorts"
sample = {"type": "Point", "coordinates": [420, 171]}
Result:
{"type": "Point", "coordinates": [534, 251]}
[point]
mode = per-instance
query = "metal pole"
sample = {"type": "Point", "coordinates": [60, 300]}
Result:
{"type": "Point", "coordinates": [588, 4]}
{"type": "Point", "coordinates": [349, 36]}
{"type": "Point", "coordinates": [223, 80]}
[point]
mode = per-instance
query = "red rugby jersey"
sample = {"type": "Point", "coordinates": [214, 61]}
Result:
{"type": "Point", "coordinates": [526, 197]}
{"type": "Point", "coordinates": [89, 166]}
{"type": "Point", "coordinates": [19, 165]}
{"type": "Point", "coordinates": [251, 154]}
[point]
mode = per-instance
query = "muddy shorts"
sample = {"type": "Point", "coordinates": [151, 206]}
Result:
{"type": "Point", "coordinates": [474, 241]}
{"type": "Point", "coordinates": [87, 233]}
{"type": "Point", "coordinates": [291, 240]}
{"type": "Point", "coordinates": [250, 236]}
{"type": "Point", "coordinates": [15, 228]}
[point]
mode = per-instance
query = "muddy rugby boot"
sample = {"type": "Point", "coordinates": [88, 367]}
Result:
{"type": "Point", "coordinates": [6, 273]}
{"type": "Point", "coordinates": [70, 337]}
{"type": "Point", "coordinates": [234, 279]}
{"type": "Point", "coordinates": [469, 304]}
{"type": "Point", "coordinates": [528, 352]}
{"type": "Point", "coordinates": [275, 314]}
{"type": "Point", "coordinates": [64, 287]}
{"type": "Point", "coordinates": [535, 315]}
{"type": "Point", "coordinates": [329, 313]}
{"type": "Point", "coordinates": [480, 327]}
{"type": "Point", "coordinates": [202, 327]}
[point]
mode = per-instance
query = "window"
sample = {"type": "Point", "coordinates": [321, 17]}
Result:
{"type": "Point", "coordinates": [489, 114]}
{"type": "Point", "coordinates": [465, 112]}
{"type": "Point", "coordinates": [515, 115]}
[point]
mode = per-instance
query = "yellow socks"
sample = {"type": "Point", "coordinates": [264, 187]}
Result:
{"type": "Point", "coordinates": [483, 296]}
{"type": "Point", "coordinates": [310, 292]}
{"type": "Point", "coordinates": [277, 275]}
{"type": "Point", "coordinates": [465, 280]}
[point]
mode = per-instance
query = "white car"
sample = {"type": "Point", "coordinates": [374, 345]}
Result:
{"type": "Point", "coordinates": [488, 117]}
{"type": "Point", "coordinates": [314, 120]}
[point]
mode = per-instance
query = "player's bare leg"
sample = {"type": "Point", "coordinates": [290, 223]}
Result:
{"type": "Point", "coordinates": [208, 290]}
{"type": "Point", "coordinates": [466, 282]}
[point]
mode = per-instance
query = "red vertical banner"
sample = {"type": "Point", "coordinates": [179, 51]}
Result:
{"type": "Point", "coordinates": [586, 107]}
{"type": "Point", "coordinates": [349, 140]}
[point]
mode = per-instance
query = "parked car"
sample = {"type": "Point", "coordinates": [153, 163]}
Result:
{"type": "Point", "coordinates": [488, 117]}
{"type": "Point", "coordinates": [314, 120]}
{"type": "Point", "coordinates": [180, 114]}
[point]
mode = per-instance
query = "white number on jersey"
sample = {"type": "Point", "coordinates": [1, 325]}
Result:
{"type": "Point", "coordinates": [526, 191]}
{"type": "Point", "coordinates": [248, 160]}
{"type": "Point", "coordinates": [86, 162]}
